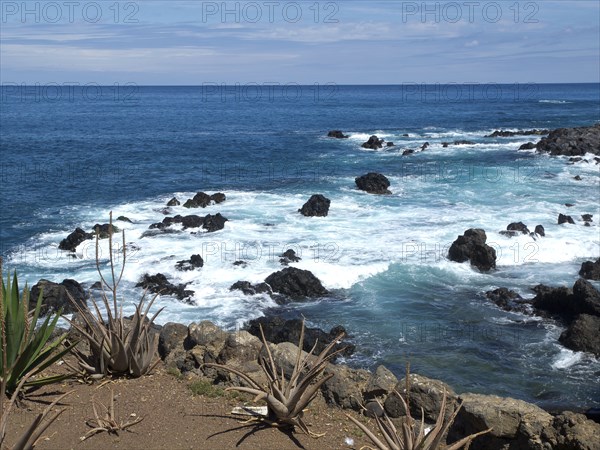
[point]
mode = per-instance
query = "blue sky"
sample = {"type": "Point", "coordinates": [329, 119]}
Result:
{"type": "Point", "coordinates": [344, 42]}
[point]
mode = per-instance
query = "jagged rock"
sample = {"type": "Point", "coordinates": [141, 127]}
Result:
{"type": "Point", "coordinates": [464, 142]}
{"type": "Point", "coordinates": [55, 297]}
{"type": "Point", "coordinates": [214, 223]}
{"type": "Point", "coordinates": [568, 303]}
{"type": "Point", "coordinates": [424, 146]}
{"type": "Point", "coordinates": [539, 230]}
{"type": "Point", "coordinates": [171, 337]}
{"type": "Point", "coordinates": [515, 424]}
{"type": "Point", "coordinates": [583, 334]}
{"type": "Point", "coordinates": [200, 200]}
{"type": "Point", "coordinates": [571, 431]}
{"type": "Point", "coordinates": [471, 247]}
{"type": "Point", "coordinates": [590, 270]}
{"type": "Point", "coordinates": [192, 221]}
{"type": "Point", "coordinates": [527, 146]}
{"type": "Point", "coordinates": [277, 329]}
{"type": "Point", "coordinates": [158, 284]}
{"type": "Point", "coordinates": [218, 197]}
{"type": "Point", "coordinates": [381, 383]}
{"type": "Point", "coordinates": [337, 134]}
{"type": "Point", "coordinates": [124, 219]}
{"type": "Point", "coordinates": [240, 347]}
{"type": "Point", "coordinates": [407, 152]}
{"type": "Point", "coordinates": [373, 183]}
{"type": "Point", "coordinates": [206, 334]}
{"type": "Point", "coordinates": [173, 202]}
{"type": "Point", "coordinates": [316, 206]}
{"type": "Point", "coordinates": [571, 141]}
{"type": "Point", "coordinates": [104, 230]}
{"type": "Point", "coordinates": [389, 144]}
{"type": "Point", "coordinates": [346, 387]}
{"type": "Point", "coordinates": [195, 262]}
{"type": "Point", "coordinates": [425, 393]}
{"type": "Point", "coordinates": [240, 263]}
{"type": "Point", "coordinates": [509, 300]}
{"type": "Point", "coordinates": [373, 143]}
{"type": "Point", "coordinates": [562, 218]}
{"type": "Point", "coordinates": [71, 242]}
{"type": "Point", "coordinates": [518, 226]}
{"type": "Point", "coordinates": [587, 217]}
{"type": "Point", "coordinates": [251, 289]}
{"type": "Point", "coordinates": [296, 283]}
{"type": "Point", "coordinates": [502, 133]}
{"type": "Point", "coordinates": [289, 256]}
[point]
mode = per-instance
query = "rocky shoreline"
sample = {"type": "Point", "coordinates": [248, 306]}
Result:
{"type": "Point", "coordinates": [516, 424]}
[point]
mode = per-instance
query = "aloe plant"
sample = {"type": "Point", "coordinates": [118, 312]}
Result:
{"type": "Point", "coordinates": [26, 347]}
{"type": "Point", "coordinates": [413, 436]}
{"type": "Point", "coordinates": [287, 400]}
{"type": "Point", "coordinates": [115, 347]}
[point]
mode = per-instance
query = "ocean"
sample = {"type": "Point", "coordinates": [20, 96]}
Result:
{"type": "Point", "coordinates": [72, 154]}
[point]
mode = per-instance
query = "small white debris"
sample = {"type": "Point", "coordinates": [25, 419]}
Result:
{"type": "Point", "coordinates": [349, 441]}
{"type": "Point", "coordinates": [251, 411]}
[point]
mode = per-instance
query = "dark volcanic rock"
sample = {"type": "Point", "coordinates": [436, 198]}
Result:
{"type": "Point", "coordinates": [571, 141]}
{"type": "Point", "coordinates": [103, 230]}
{"type": "Point", "coordinates": [289, 256]}
{"type": "Point", "coordinates": [527, 146]}
{"type": "Point", "coordinates": [277, 329]}
{"type": "Point", "coordinates": [407, 152]}
{"type": "Point", "coordinates": [509, 300]}
{"type": "Point", "coordinates": [587, 217]}
{"type": "Point", "coordinates": [200, 200]}
{"type": "Point", "coordinates": [373, 183]}
{"type": "Point", "coordinates": [583, 334]}
{"type": "Point", "coordinates": [171, 337]}
{"type": "Point", "coordinates": [539, 229]}
{"type": "Point", "coordinates": [337, 134]}
{"type": "Point", "coordinates": [502, 133]}
{"type": "Point", "coordinates": [464, 142]}
{"type": "Point", "coordinates": [251, 289]}
{"type": "Point", "coordinates": [191, 221]}
{"type": "Point", "coordinates": [214, 223]}
{"type": "Point", "coordinates": [71, 242]}
{"type": "Point", "coordinates": [562, 218]}
{"type": "Point", "coordinates": [471, 246]}
{"type": "Point", "coordinates": [173, 202]}
{"type": "Point", "coordinates": [518, 226]}
{"type": "Point", "coordinates": [55, 297]}
{"type": "Point", "coordinates": [389, 144]}
{"type": "Point", "coordinates": [316, 206]}
{"type": "Point", "coordinates": [424, 146]}
{"type": "Point", "coordinates": [568, 303]}
{"type": "Point", "coordinates": [590, 270]}
{"type": "Point", "coordinates": [373, 143]}
{"type": "Point", "coordinates": [124, 219]}
{"type": "Point", "coordinates": [195, 262]}
{"type": "Point", "coordinates": [158, 284]}
{"type": "Point", "coordinates": [296, 283]}
{"type": "Point", "coordinates": [218, 197]}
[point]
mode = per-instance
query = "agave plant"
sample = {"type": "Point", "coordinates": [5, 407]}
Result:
{"type": "Point", "coordinates": [413, 436]}
{"type": "Point", "coordinates": [116, 347]}
{"type": "Point", "coordinates": [287, 400]}
{"type": "Point", "coordinates": [26, 347]}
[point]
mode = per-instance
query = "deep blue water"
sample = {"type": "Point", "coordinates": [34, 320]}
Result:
{"type": "Point", "coordinates": [69, 156]}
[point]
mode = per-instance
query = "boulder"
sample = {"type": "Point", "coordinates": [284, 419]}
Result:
{"type": "Point", "coordinates": [337, 134]}
{"type": "Point", "coordinates": [195, 262]}
{"type": "Point", "coordinates": [562, 218]}
{"type": "Point", "coordinates": [515, 424]}
{"type": "Point", "coordinates": [289, 256]}
{"type": "Point", "coordinates": [124, 219]}
{"type": "Point", "coordinates": [171, 337]}
{"type": "Point", "coordinates": [218, 197]}
{"type": "Point", "coordinates": [381, 383]}
{"type": "Point", "coordinates": [251, 289]}
{"type": "Point", "coordinates": [389, 144]}
{"type": "Point", "coordinates": [71, 242]}
{"type": "Point", "coordinates": [518, 226]}
{"type": "Point", "coordinates": [206, 334]}
{"type": "Point", "coordinates": [316, 206]}
{"type": "Point", "coordinates": [586, 298]}
{"type": "Point", "coordinates": [346, 387]}
{"type": "Point", "coordinates": [173, 202]}
{"type": "Point", "coordinates": [296, 283]}
{"type": "Point", "coordinates": [277, 329]}
{"type": "Point", "coordinates": [571, 141]}
{"type": "Point", "coordinates": [590, 270]}
{"type": "Point", "coordinates": [509, 300]}
{"type": "Point", "coordinates": [104, 230]}
{"type": "Point", "coordinates": [583, 334]}
{"type": "Point", "coordinates": [527, 146]}
{"type": "Point", "coordinates": [200, 200]}
{"type": "Point", "coordinates": [240, 347]}
{"type": "Point", "coordinates": [425, 393]}
{"type": "Point", "coordinates": [55, 296]}
{"type": "Point", "coordinates": [158, 284]}
{"type": "Point", "coordinates": [373, 143]}
{"type": "Point", "coordinates": [539, 230]}
{"type": "Point", "coordinates": [572, 431]}
{"type": "Point", "coordinates": [373, 183]}
{"type": "Point", "coordinates": [192, 221]}
{"type": "Point", "coordinates": [214, 223]}
{"type": "Point", "coordinates": [471, 247]}
{"type": "Point", "coordinates": [587, 217]}
{"type": "Point", "coordinates": [568, 303]}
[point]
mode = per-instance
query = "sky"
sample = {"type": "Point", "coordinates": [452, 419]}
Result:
{"type": "Point", "coordinates": [306, 42]}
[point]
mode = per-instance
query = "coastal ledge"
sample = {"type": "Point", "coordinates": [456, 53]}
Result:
{"type": "Point", "coordinates": [516, 424]}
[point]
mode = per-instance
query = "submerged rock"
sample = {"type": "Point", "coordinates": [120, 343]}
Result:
{"type": "Point", "coordinates": [195, 262]}
{"type": "Point", "coordinates": [337, 134]}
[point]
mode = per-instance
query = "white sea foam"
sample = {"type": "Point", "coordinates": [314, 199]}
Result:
{"type": "Point", "coordinates": [566, 358]}
{"type": "Point", "coordinates": [558, 102]}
